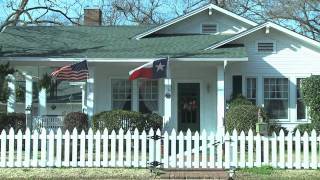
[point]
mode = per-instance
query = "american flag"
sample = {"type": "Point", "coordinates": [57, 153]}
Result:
{"type": "Point", "coordinates": [72, 72]}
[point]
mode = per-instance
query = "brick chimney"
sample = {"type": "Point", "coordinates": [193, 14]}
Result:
{"type": "Point", "coordinates": [92, 17]}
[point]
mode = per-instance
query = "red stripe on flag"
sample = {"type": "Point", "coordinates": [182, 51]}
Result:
{"type": "Point", "coordinates": [141, 73]}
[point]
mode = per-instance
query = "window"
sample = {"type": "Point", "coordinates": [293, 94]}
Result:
{"type": "Point", "coordinates": [63, 92]}
{"type": "Point", "coordinates": [148, 96]}
{"type": "Point", "coordinates": [301, 108]}
{"type": "Point", "coordinates": [236, 85]}
{"type": "Point", "coordinates": [121, 94]}
{"type": "Point", "coordinates": [209, 28]}
{"type": "Point", "coordinates": [266, 47]}
{"type": "Point", "coordinates": [252, 89]}
{"type": "Point", "coordinates": [276, 97]}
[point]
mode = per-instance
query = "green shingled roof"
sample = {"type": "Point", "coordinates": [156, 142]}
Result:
{"type": "Point", "coordinates": [107, 42]}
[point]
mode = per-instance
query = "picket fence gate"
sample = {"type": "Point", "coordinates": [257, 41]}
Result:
{"type": "Point", "coordinates": [163, 150]}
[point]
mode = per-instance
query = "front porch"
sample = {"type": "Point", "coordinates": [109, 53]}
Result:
{"type": "Point", "coordinates": [193, 97]}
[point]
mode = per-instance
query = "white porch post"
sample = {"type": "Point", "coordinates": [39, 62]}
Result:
{"type": "Point", "coordinates": [28, 100]}
{"type": "Point", "coordinates": [42, 107]}
{"type": "Point", "coordinates": [83, 98]}
{"type": "Point", "coordinates": [220, 98]}
{"type": "Point", "coordinates": [90, 94]}
{"type": "Point", "coordinates": [11, 103]}
{"type": "Point", "coordinates": [167, 105]}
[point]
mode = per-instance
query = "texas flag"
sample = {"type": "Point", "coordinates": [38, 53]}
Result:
{"type": "Point", "coordinates": [152, 70]}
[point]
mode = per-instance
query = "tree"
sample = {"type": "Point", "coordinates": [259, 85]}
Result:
{"type": "Point", "coordinates": [5, 70]}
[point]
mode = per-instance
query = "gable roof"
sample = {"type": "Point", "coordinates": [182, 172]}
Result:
{"type": "Point", "coordinates": [265, 25]}
{"type": "Point", "coordinates": [107, 42]}
{"type": "Point", "coordinates": [191, 13]}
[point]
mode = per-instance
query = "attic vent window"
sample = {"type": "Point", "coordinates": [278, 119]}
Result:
{"type": "Point", "coordinates": [209, 28]}
{"type": "Point", "coordinates": [266, 47]}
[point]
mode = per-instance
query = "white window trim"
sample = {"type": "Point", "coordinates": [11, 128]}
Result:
{"type": "Point", "coordinates": [159, 94]}
{"type": "Point", "coordinates": [245, 87]}
{"type": "Point", "coordinates": [134, 89]}
{"type": "Point", "coordinates": [209, 23]}
{"type": "Point", "coordinates": [266, 41]}
{"type": "Point", "coordinates": [111, 91]}
{"type": "Point", "coordinates": [263, 98]}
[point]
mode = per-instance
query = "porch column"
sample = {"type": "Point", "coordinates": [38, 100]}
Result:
{"type": "Point", "coordinates": [167, 105]}
{"type": "Point", "coordinates": [11, 103]}
{"type": "Point", "coordinates": [28, 100]}
{"type": "Point", "coordinates": [220, 97]}
{"type": "Point", "coordinates": [42, 106]}
{"type": "Point", "coordinates": [90, 94]}
{"type": "Point", "coordinates": [83, 98]}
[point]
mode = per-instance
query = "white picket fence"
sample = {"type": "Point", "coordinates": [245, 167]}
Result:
{"type": "Point", "coordinates": [182, 150]}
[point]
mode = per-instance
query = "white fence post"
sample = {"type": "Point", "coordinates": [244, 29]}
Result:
{"type": "Point", "coordinates": [3, 148]}
{"type": "Point", "coordinates": [27, 148]}
{"type": "Point", "coordinates": [212, 151]}
{"type": "Point", "coordinates": [173, 157]}
{"type": "Point", "coordinates": [58, 148]}
{"type": "Point", "coordinates": [281, 150]}
{"type": "Point", "coordinates": [196, 150]}
{"type": "Point", "coordinates": [82, 154]}
{"type": "Point", "coordinates": [120, 148]}
{"type": "Point", "coordinates": [250, 148]}
{"type": "Point", "coordinates": [90, 148]}
{"type": "Point", "coordinates": [258, 150]}
{"type": "Point", "coordinates": [314, 157]}
{"type": "Point", "coordinates": [19, 149]}
{"type": "Point", "coordinates": [144, 149]}
{"type": "Point", "coordinates": [51, 149]}
{"type": "Point", "coordinates": [97, 138]}
{"type": "Point", "coordinates": [151, 146]}
{"type": "Point", "coordinates": [166, 150]}
{"type": "Point", "coordinates": [289, 146]}
{"type": "Point", "coordinates": [306, 164]}
{"type": "Point", "coordinates": [113, 137]}
{"type": "Point", "coordinates": [11, 148]}
{"type": "Point", "coordinates": [204, 143]}
{"type": "Point", "coordinates": [43, 137]}
{"type": "Point", "coordinates": [298, 149]}
{"type": "Point", "coordinates": [242, 139]}
{"type": "Point", "coordinates": [35, 145]}
{"type": "Point", "coordinates": [234, 139]}
{"type": "Point", "coordinates": [105, 136]}
{"type": "Point", "coordinates": [67, 150]}
{"type": "Point", "coordinates": [274, 150]}
{"type": "Point", "coordinates": [128, 149]}
{"type": "Point", "coordinates": [136, 147]}
{"type": "Point", "coordinates": [74, 148]}
{"type": "Point", "coordinates": [181, 150]}
{"type": "Point", "coordinates": [227, 151]}
{"type": "Point", "coordinates": [265, 150]}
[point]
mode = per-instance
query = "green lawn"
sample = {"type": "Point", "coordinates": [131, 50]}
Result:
{"type": "Point", "coordinates": [267, 172]}
{"type": "Point", "coordinates": [75, 173]}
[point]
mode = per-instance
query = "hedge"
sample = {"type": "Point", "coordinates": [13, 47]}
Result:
{"type": "Point", "coordinates": [76, 120]}
{"type": "Point", "coordinates": [310, 89]}
{"type": "Point", "coordinates": [17, 121]}
{"type": "Point", "coordinates": [114, 120]}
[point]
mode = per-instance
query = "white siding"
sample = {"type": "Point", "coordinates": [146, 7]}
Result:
{"type": "Point", "coordinates": [292, 59]}
{"type": "Point", "coordinates": [226, 24]}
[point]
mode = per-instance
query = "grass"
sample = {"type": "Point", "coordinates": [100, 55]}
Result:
{"type": "Point", "coordinates": [267, 172]}
{"type": "Point", "coordinates": [75, 173]}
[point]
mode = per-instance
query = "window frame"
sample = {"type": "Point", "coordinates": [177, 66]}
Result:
{"type": "Point", "coordinates": [111, 92]}
{"type": "Point", "coordinates": [158, 98]}
{"type": "Point", "coordinates": [288, 98]}
{"type": "Point", "coordinates": [266, 52]}
{"type": "Point", "coordinates": [246, 87]}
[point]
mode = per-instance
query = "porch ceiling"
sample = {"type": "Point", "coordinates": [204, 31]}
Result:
{"type": "Point", "coordinates": [108, 42]}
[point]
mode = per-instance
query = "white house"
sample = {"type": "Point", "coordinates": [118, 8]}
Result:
{"type": "Point", "coordinates": [213, 53]}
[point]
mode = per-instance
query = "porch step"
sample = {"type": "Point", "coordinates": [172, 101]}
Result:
{"type": "Point", "coordinates": [194, 174]}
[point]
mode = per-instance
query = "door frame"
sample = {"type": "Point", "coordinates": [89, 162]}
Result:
{"type": "Point", "coordinates": [175, 100]}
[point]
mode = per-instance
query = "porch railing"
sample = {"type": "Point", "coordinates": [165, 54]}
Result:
{"type": "Point", "coordinates": [48, 122]}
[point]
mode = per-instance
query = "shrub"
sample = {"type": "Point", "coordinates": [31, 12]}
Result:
{"type": "Point", "coordinates": [13, 120]}
{"type": "Point", "coordinates": [242, 118]}
{"type": "Point", "coordinates": [310, 93]}
{"type": "Point", "coordinates": [308, 127]}
{"type": "Point", "coordinates": [238, 100]}
{"type": "Point", "coordinates": [75, 120]}
{"type": "Point", "coordinates": [129, 120]}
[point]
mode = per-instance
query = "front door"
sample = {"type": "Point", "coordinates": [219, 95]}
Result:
{"type": "Point", "coordinates": [188, 106]}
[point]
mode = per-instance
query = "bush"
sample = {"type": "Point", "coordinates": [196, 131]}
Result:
{"type": "Point", "coordinates": [310, 93]}
{"type": "Point", "coordinates": [128, 120]}
{"type": "Point", "coordinates": [75, 120]}
{"type": "Point", "coordinates": [308, 127]}
{"type": "Point", "coordinates": [238, 100]}
{"type": "Point", "coordinates": [13, 120]}
{"type": "Point", "coordinates": [242, 118]}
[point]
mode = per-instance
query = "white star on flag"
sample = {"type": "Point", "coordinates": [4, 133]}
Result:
{"type": "Point", "coordinates": [160, 67]}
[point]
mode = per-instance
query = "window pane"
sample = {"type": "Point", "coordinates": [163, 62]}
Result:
{"type": "Point", "coordinates": [251, 89]}
{"type": "Point", "coordinates": [148, 96]}
{"type": "Point", "coordinates": [301, 108]}
{"type": "Point", "coordinates": [276, 97]}
{"type": "Point", "coordinates": [121, 94]}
